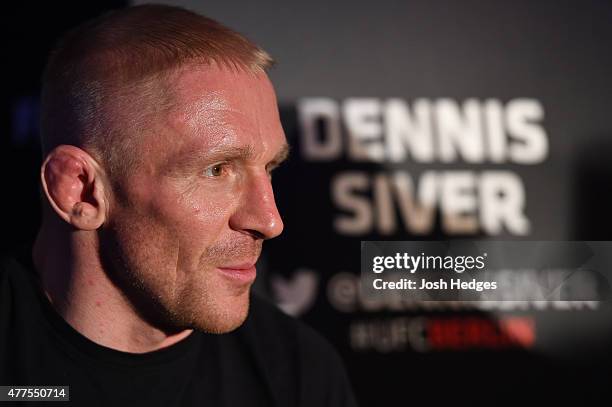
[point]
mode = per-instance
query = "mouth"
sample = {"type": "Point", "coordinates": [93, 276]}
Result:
{"type": "Point", "coordinates": [239, 273]}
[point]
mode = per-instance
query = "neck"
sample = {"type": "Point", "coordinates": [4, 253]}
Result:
{"type": "Point", "coordinates": [80, 290]}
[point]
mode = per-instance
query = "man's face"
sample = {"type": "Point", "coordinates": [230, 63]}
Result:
{"type": "Point", "coordinates": [187, 223]}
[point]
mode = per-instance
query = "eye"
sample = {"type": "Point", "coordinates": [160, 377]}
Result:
{"type": "Point", "coordinates": [215, 170]}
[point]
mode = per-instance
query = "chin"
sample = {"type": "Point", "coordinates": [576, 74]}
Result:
{"type": "Point", "coordinates": [224, 316]}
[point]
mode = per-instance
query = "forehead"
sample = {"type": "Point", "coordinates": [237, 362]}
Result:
{"type": "Point", "coordinates": [195, 83]}
{"type": "Point", "coordinates": [212, 106]}
{"type": "Point", "coordinates": [212, 109]}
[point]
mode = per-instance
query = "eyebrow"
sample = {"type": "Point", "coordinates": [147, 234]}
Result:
{"type": "Point", "coordinates": [246, 153]}
{"type": "Point", "coordinates": [230, 153]}
{"type": "Point", "coordinates": [189, 160]}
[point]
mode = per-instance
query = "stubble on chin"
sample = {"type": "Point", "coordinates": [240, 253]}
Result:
{"type": "Point", "coordinates": [211, 303]}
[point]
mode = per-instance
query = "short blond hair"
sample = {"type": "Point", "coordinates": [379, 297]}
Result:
{"type": "Point", "coordinates": [121, 57]}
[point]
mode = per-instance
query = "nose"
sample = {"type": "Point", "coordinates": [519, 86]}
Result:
{"type": "Point", "coordinates": [257, 214]}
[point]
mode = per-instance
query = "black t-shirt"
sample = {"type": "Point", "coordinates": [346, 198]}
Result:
{"type": "Point", "coordinates": [271, 360]}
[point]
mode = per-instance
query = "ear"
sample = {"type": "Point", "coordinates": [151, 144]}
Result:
{"type": "Point", "coordinates": [74, 185]}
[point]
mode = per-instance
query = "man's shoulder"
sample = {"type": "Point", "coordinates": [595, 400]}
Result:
{"type": "Point", "coordinates": [10, 269]}
{"type": "Point", "coordinates": [15, 274]}
{"type": "Point", "coordinates": [7, 263]}
{"type": "Point", "coordinates": [15, 264]}
{"type": "Point", "coordinates": [5, 284]}
{"type": "Point", "coordinates": [18, 282]}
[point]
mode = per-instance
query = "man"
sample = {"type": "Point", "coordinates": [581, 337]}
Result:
{"type": "Point", "coordinates": [160, 131]}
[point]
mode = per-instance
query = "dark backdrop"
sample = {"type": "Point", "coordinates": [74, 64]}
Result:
{"type": "Point", "coordinates": [467, 56]}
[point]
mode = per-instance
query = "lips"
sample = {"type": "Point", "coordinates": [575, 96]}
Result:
{"type": "Point", "coordinates": [244, 273]}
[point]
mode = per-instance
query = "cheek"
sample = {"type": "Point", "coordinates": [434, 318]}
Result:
{"type": "Point", "coordinates": [175, 221]}
{"type": "Point", "coordinates": [196, 216]}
